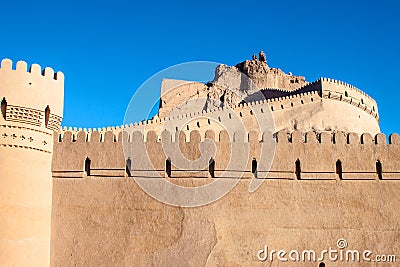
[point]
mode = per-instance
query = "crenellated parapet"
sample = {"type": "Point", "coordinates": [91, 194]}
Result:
{"type": "Point", "coordinates": [338, 90]}
{"type": "Point", "coordinates": [298, 155]}
{"type": "Point", "coordinates": [31, 96]}
{"type": "Point", "coordinates": [282, 92]}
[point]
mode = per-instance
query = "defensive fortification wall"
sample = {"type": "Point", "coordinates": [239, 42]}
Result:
{"type": "Point", "coordinates": [75, 187]}
{"type": "Point", "coordinates": [343, 186]}
{"type": "Point", "coordinates": [320, 156]}
{"type": "Point", "coordinates": [111, 221]}
{"type": "Point", "coordinates": [323, 105]}
{"type": "Point", "coordinates": [345, 92]}
{"type": "Point", "coordinates": [31, 108]}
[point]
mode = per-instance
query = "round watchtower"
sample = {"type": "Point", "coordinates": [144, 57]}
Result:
{"type": "Point", "coordinates": [31, 109]}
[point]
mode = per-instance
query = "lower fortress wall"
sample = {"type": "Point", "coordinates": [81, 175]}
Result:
{"type": "Point", "coordinates": [112, 222]}
{"type": "Point", "coordinates": [105, 219]}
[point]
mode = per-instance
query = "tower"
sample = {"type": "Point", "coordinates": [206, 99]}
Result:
{"type": "Point", "coordinates": [31, 109]}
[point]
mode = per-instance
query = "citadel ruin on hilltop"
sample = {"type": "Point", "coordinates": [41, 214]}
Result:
{"type": "Point", "coordinates": [68, 197]}
{"type": "Point", "coordinates": [323, 105]}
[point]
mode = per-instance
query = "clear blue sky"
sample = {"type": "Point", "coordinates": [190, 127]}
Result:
{"type": "Point", "coordinates": [107, 49]}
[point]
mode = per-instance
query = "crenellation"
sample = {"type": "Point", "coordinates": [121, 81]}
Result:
{"type": "Point", "coordinates": [6, 64]}
{"type": "Point", "coordinates": [81, 137]}
{"type": "Point", "coordinates": [67, 137]}
{"type": "Point", "coordinates": [109, 137]}
{"type": "Point", "coordinates": [59, 76]}
{"type": "Point", "coordinates": [267, 136]}
{"type": "Point", "coordinates": [380, 139]}
{"type": "Point", "coordinates": [353, 138]}
{"type": "Point", "coordinates": [194, 137]}
{"type": "Point", "coordinates": [326, 138]}
{"type": "Point", "coordinates": [394, 139]}
{"type": "Point", "coordinates": [210, 134]}
{"type": "Point", "coordinates": [328, 148]}
{"type": "Point", "coordinates": [181, 137]}
{"type": "Point", "coordinates": [95, 137]}
{"type": "Point", "coordinates": [48, 73]}
{"type": "Point", "coordinates": [21, 66]}
{"type": "Point", "coordinates": [311, 137]}
{"type": "Point", "coordinates": [35, 69]}
{"type": "Point", "coordinates": [238, 136]}
{"type": "Point", "coordinates": [282, 137]}
{"type": "Point", "coordinates": [340, 138]}
{"type": "Point", "coordinates": [166, 137]}
{"type": "Point", "coordinates": [151, 137]}
{"type": "Point", "coordinates": [224, 137]}
{"type": "Point", "coordinates": [296, 137]}
{"type": "Point", "coordinates": [137, 137]}
{"type": "Point", "coordinates": [253, 137]}
{"type": "Point", "coordinates": [366, 139]}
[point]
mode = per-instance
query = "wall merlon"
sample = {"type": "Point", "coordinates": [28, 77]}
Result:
{"type": "Point", "coordinates": [109, 137]}
{"type": "Point", "coordinates": [311, 137]}
{"type": "Point", "coordinates": [340, 138]}
{"type": "Point", "coordinates": [81, 137]}
{"type": "Point", "coordinates": [210, 134]}
{"type": "Point", "coordinates": [366, 139]}
{"type": "Point", "coordinates": [48, 73]}
{"type": "Point", "coordinates": [95, 137]}
{"type": "Point", "coordinates": [295, 137]}
{"type": "Point", "coordinates": [238, 137]}
{"type": "Point", "coordinates": [151, 137]}
{"type": "Point", "coordinates": [326, 138]}
{"type": "Point", "coordinates": [35, 69]}
{"type": "Point", "coordinates": [67, 137]}
{"type": "Point", "coordinates": [194, 137]}
{"type": "Point", "coordinates": [394, 139]}
{"type": "Point", "coordinates": [380, 139]}
{"type": "Point", "coordinates": [6, 64]}
{"type": "Point", "coordinates": [166, 137]}
{"type": "Point", "coordinates": [22, 66]}
{"type": "Point", "coordinates": [181, 137]}
{"type": "Point", "coordinates": [282, 137]}
{"type": "Point", "coordinates": [353, 138]}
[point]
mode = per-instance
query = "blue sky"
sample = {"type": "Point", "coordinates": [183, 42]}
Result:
{"type": "Point", "coordinates": [107, 49]}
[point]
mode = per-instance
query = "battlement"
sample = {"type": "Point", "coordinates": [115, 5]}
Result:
{"type": "Point", "coordinates": [308, 87]}
{"type": "Point", "coordinates": [34, 69]}
{"type": "Point", "coordinates": [31, 95]}
{"type": "Point", "coordinates": [292, 101]}
{"type": "Point", "coordinates": [221, 114]}
{"type": "Point", "coordinates": [320, 156]}
{"type": "Point", "coordinates": [116, 134]}
{"type": "Point", "coordinates": [345, 92]}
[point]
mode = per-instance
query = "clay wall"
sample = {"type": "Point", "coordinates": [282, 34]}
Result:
{"type": "Point", "coordinates": [318, 153]}
{"type": "Point", "coordinates": [106, 219]}
{"type": "Point", "coordinates": [26, 146]}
